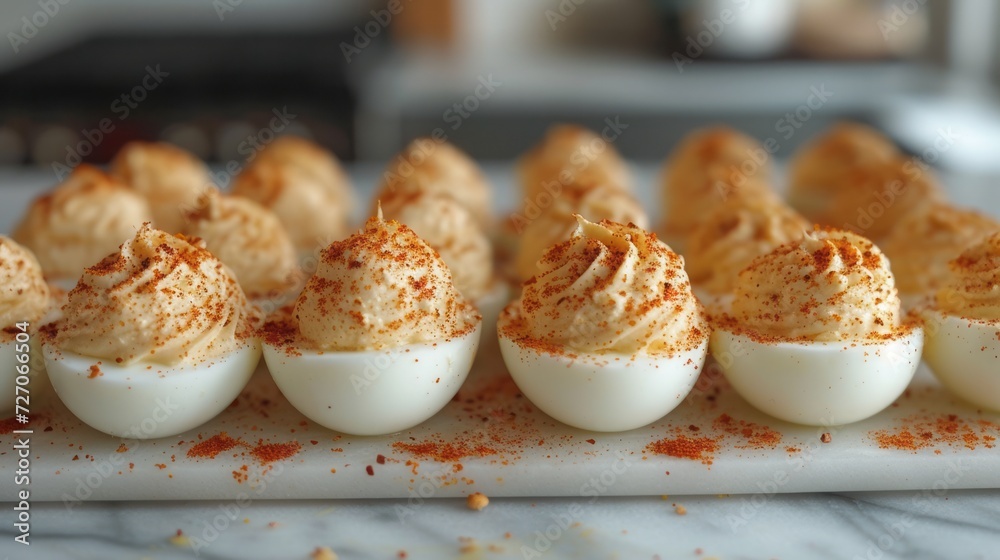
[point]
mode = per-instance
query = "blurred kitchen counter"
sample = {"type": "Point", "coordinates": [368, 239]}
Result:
{"type": "Point", "coordinates": [402, 96]}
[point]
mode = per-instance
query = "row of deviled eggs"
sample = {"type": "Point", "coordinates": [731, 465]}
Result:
{"type": "Point", "coordinates": [607, 336]}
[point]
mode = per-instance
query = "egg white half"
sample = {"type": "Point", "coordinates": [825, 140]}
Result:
{"type": "Point", "coordinates": [603, 392]}
{"type": "Point", "coordinates": [373, 392]}
{"type": "Point", "coordinates": [818, 383]}
{"type": "Point", "coordinates": [146, 401]}
{"type": "Point", "coordinates": [964, 355]}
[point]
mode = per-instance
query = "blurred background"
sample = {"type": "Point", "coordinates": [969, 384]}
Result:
{"type": "Point", "coordinates": [79, 79]}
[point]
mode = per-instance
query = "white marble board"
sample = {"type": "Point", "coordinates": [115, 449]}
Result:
{"type": "Point", "coordinates": [521, 451]}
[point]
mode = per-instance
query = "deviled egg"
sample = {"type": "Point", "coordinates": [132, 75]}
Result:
{"type": "Point", "coordinates": [923, 243]}
{"type": "Point", "coordinates": [168, 176]}
{"type": "Point", "coordinates": [24, 299]}
{"type": "Point", "coordinates": [557, 222]}
{"type": "Point", "coordinates": [707, 167]}
{"type": "Point", "coordinates": [730, 237]}
{"type": "Point", "coordinates": [568, 154]}
{"type": "Point", "coordinates": [250, 240]}
{"type": "Point", "coordinates": [451, 230]}
{"type": "Point", "coordinates": [815, 335]}
{"type": "Point", "coordinates": [305, 186]}
{"type": "Point", "coordinates": [963, 326]}
{"type": "Point", "coordinates": [379, 340]}
{"type": "Point", "coordinates": [79, 222]}
{"type": "Point", "coordinates": [433, 165]}
{"type": "Point", "coordinates": [816, 169]}
{"type": "Point", "coordinates": [154, 340]}
{"type": "Point", "coordinates": [607, 336]}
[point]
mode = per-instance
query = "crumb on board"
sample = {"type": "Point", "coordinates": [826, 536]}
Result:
{"type": "Point", "coordinates": [323, 553]}
{"type": "Point", "coordinates": [680, 510]}
{"type": "Point", "coordinates": [469, 545]}
{"type": "Point", "coordinates": [826, 437]}
{"type": "Point", "coordinates": [180, 539]}
{"type": "Point", "coordinates": [477, 501]}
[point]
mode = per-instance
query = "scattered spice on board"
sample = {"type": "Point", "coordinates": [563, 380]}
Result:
{"type": "Point", "coordinates": [263, 452]}
{"type": "Point", "coordinates": [444, 451]}
{"type": "Point", "coordinates": [936, 431]}
{"type": "Point", "coordinates": [212, 446]}
{"type": "Point", "coordinates": [684, 447]}
{"type": "Point", "coordinates": [271, 452]}
{"type": "Point", "coordinates": [754, 435]}
{"type": "Point", "coordinates": [8, 425]}
{"type": "Point", "coordinates": [703, 447]}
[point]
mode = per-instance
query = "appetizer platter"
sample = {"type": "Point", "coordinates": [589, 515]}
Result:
{"type": "Point", "coordinates": [251, 344]}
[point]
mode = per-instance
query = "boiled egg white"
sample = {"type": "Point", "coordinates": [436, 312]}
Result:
{"type": "Point", "coordinates": [964, 355]}
{"type": "Point", "coordinates": [39, 390]}
{"type": "Point", "coordinates": [372, 392]}
{"type": "Point", "coordinates": [602, 392]}
{"type": "Point", "coordinates": [818, 383]}
{"type": "Point", "coordinates": [146, 401]}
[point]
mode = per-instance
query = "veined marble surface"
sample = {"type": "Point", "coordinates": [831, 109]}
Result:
{"type": "Point", "coordinates": [956, 524]}
{"type": "Point", "coordinates": [916, 524]}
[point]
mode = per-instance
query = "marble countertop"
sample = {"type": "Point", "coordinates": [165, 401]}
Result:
{"type": "Point", "coordinates": [956, 524]}
{"type": "Point", "coordinates": [873, 525]}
